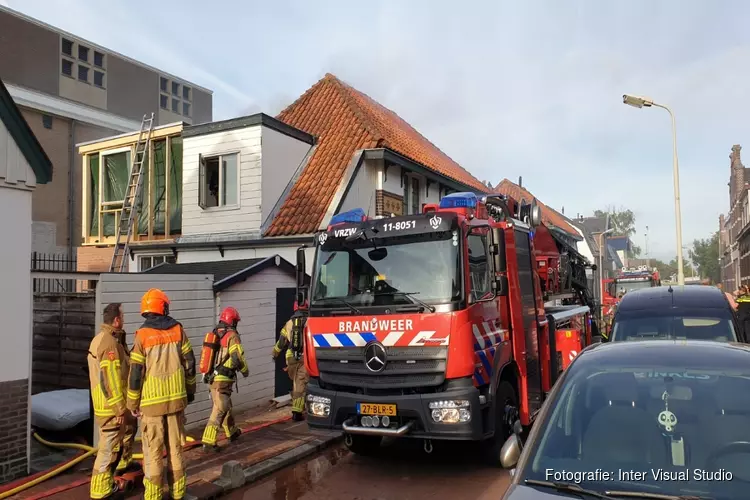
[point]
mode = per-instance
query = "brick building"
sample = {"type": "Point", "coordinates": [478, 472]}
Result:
{"type": "Point", "coordinates": [734, 231]}
{"type": "Point", "coordinates": [71, 90]}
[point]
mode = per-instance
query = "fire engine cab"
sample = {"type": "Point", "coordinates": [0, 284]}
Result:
{"type": "Point", "coordinates": [434, 325]}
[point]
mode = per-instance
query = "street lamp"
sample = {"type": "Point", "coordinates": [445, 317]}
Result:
{"type": "Point", "coordinates": [601, 270]}
{"type": "Point", "coordinates": [640, 102]}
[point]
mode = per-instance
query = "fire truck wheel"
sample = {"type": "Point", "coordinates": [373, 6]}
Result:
{"type": "Point", "coordinates": [505, 396]}
{"type": "Point", "coordinates": [363, 445]}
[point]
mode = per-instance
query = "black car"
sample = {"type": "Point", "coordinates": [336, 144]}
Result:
{"type": "Point", "coordinates": [640, 420]}
{"type": "Point", "coordinates": [679, 312]}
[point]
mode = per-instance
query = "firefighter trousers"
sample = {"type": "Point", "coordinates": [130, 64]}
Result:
{"type": "Point", "coordinates": [298, 374]}
{"type": "Point", "coordinates": [221, 415]}
{"type": "Point", "coordinates": [115, 453]}
{"type": "Point", "coordinates": [160, 433]}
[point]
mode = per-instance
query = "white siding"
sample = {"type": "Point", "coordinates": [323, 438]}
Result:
{"type": "Point", "coordinates": [246, 142]}
{"type": "Point", "coordinates": [362, 191]}
{"type": "Point", "coordinates": [15, 171]}
{"type": "Point", "coordinates": [210, 255]}
{"type": "Point", "coordinates": [255, 299]}
{"type": "Point", "coordinates": [282, 155]}
{"type": "Point", "coordinates": [15, 285]}
{"type": "Point", "coordinates": [191, 303]}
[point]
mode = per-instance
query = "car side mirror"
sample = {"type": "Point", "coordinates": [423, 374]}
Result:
{"type": "Point", "coordinates": [511, 451]}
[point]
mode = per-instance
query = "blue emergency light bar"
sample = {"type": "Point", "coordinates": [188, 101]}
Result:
{"type": "Point", "coordinates": [459, 200]}
{"type": "Point", "coordinates": [351, 216]}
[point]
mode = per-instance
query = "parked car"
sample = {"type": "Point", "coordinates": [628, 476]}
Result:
{"type": "Point", "coordinates": [641, 419]}
{"type": "Point", "coordinates": [681, 312]}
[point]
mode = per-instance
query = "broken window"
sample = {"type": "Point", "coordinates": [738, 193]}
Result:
{"type": "Point", "coordinates": [219, 181]}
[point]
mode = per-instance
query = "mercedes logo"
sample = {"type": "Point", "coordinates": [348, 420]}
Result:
{"type": "Point", "coordinates": [375, 357]}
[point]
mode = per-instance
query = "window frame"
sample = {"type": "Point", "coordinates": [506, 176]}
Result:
{"type": "Point", "coordinates": [103, 85]}
{"type": "Point", "coordinates": [62, 67]}
{"type": "Point", "coordinates": [165, 98]}
{"type": "Point", "coordinates": [85, 68]}
{"type": "Point", "coordinates": [62, 47]}
{"type": "Point", "coordinates": [87, 51]}
{"type": "Point", "coordinates": [162, 256]}
{"type": "Point", "coordinates": [103, 64]}
{"type": "Point", "coordinates": [203, 188]}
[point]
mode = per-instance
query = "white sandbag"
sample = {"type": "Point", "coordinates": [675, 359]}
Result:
{"type": "Point", "coordinates": [59, 410]}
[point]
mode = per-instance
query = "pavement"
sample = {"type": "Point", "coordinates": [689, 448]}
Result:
{"type": "Point", "coordinates": [271, 442]}
{"type": "Point", "coordinates": [400, 471]}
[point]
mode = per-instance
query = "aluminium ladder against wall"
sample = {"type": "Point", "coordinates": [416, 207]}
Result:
{"type": "Point", "coordinates": [124, 231]}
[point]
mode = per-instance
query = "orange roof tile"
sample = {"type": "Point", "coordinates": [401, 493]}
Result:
{"type": "Point", "coordinates": [345, 120]}
{"type": "Point", "coordinates": [549, 215]}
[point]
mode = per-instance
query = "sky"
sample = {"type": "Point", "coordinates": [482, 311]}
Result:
{"type": "Point", "coordinates": [507, 89]}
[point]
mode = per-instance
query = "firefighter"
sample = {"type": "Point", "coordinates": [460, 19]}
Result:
{"type": "Point", "coordinates": [108, 373]}
{"type": "Point", "coordinates": [226, 359]}
{"type": "Point", "coordinates": [743, 308]}
{"type": "Point", "coordinates": [161, 384]}
{"type": "Point", "coordinates": [295, 366]}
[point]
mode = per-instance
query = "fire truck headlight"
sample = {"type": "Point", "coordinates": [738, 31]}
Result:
{"type": "Point", "coordinates": [318, 405]}
{"type": "Point", "coordinates": [450, 412]}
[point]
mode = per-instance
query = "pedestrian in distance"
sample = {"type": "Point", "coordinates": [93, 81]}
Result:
{"type": "Point", "coordinates": [108, 363]}
{"type": "Point", "coordinates": [222, 357]}
{"type": "Point", "coordinates": [295, 367]}
{"type": "Point", "coordinates": [743, 308]}
{"type": "Point", "coordinates": [160, 385]}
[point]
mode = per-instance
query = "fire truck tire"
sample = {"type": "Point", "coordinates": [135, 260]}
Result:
{"type": "Point", "coordinates": [505, 396]}
{"type": "Point", "coordinates": [363, 445]}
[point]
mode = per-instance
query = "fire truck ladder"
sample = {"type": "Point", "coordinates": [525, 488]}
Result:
{"type": "Point", "coordinates": [124, 231]}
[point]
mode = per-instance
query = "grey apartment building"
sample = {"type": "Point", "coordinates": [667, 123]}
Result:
{"type": "Point", "coordinates": [70, 91]}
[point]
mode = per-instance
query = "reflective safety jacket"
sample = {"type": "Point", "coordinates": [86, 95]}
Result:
{"type": "Point", "coordinates": [108, 373]}
{"type": "Point", "coordinates": [284, 342]}
{"type": "Point", "coordinates": [231, 351]}
{"type": "Point", "coordinates": [162, 368]}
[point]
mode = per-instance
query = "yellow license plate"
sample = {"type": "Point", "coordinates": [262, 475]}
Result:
{"type": "Point", "coordinates": [376, 409]}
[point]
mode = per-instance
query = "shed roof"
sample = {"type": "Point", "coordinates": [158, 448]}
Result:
{"type": "Point", "coordinates": [24, 138]}
{"type": "Point", "coordinates": [345, 120]}
{"type": "Point", "coordinates": [226, 272]}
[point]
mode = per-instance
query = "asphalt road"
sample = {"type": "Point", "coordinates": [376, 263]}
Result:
{"type": "Point", "coordinates": [401, 471]}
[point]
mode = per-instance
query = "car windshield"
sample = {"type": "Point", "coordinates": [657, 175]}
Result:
{"type": "Point", "coordinates": [694, 325]}
{"type": "Point", "coordinates": [660, 430]}
{"type": "Point", "coordinates": [426, 268]}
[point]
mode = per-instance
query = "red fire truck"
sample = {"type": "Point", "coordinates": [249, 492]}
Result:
{"type": "Point", "coordinates": [629, 279]}
{"type": "Point", "coordinates": [434, 325]}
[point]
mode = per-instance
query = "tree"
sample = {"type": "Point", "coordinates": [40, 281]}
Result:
{"type": "Point", "coordinates": [665, 269]}
{"type": "Point", "coordinates": [705, 255]}
{"type": "Point", "coordinates": [623, 220]}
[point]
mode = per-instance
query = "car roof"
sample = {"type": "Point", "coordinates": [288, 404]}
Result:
{"type": "Point", "coordinates": [688, 354]}
{"type": "Point", "coordinates": [685, 297]}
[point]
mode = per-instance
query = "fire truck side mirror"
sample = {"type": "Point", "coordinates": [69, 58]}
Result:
{"type": "Point", "coordinates": [535, 214]}
{"type": "Point", "coordinates": [301, 267]}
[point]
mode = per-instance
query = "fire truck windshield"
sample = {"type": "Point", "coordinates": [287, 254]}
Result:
{"type": "Point", "coordinates": [629, 285]}
{"type": "Point", "coordinates": [389, 273]}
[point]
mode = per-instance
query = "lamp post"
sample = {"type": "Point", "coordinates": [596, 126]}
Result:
{"type": "Point", "coordinates": [601, 270]}
{"type": "Point", "coordinates": [639, 102]}
{"type": "Point", "coordinates": [648, 260]}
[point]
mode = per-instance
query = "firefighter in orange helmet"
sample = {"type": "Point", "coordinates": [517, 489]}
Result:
{"type": "Point", "coordinates": [221, 359]}
{"type": "Point", "coordinates": [160, 386]}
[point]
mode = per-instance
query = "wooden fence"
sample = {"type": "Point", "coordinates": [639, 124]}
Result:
{"type": "Point", "coordinates": [64, 325]}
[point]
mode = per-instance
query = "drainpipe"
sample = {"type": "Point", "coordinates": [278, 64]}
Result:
{"type": "Point", "coordinates": [71, 188]}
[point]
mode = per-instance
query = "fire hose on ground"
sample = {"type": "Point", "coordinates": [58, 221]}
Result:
{"type": "Point", "coordinates": [16, 487]}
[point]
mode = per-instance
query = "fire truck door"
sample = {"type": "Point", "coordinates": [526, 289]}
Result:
{"type": "Point", "coordinates": [529, 314]}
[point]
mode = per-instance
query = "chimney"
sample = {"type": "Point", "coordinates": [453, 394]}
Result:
{"type": "Point", "coordinates": [520, 181]}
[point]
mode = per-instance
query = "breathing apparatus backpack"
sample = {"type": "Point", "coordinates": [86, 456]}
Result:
{"type": "Point", "coordinates": [211, 347]}
{"type": "Point", "coordinates": [297, 343]}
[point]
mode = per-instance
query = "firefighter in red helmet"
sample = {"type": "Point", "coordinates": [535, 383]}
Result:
{"type": "Point", "coordinates": [222, 357]}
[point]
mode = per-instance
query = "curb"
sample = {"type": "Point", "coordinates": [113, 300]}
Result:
{"type": "Point", "coordinates": [233, 476]}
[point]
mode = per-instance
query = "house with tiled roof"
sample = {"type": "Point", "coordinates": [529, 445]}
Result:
{"type": "Point", "coordinates": [257, 186]}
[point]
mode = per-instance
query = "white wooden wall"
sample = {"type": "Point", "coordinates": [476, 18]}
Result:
{"type": "Point", "coordinates": [191, 303]}
{"type": "Point", "coordinates": [255, 300]}
{"type": "Point", "coordinates": [245, 217]}
{"type": "Point", "coordinates": [14, 169]}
